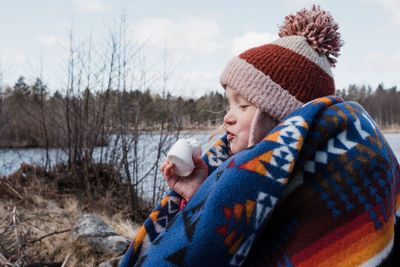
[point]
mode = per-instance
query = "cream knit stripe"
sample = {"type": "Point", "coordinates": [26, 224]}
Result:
{"type": "Point", "coordinates": [299, 45]}
{"type": "Point", "coordinates": [259, 88]}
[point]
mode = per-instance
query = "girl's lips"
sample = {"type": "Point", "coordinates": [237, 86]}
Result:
{"type": "Point", "coordinates": [230, 136]}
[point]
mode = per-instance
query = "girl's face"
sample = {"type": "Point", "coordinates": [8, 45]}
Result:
{"type": "Point", "coordinates": [238, 121]}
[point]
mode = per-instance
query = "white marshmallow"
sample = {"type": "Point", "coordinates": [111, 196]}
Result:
{"type": "Point", "coordinates": [196, 147]}
{"type": "Point", "coordinates": [181, 154]}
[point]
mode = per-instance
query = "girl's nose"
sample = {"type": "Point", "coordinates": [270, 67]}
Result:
{"type": "Point", "coordinates": [229, 118]}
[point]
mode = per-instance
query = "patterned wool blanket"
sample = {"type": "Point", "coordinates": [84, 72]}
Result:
{"type": "Point", "coordinates": [321, 189]}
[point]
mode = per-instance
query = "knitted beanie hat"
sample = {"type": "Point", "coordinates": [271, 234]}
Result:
{"type": "Point", "coordinates": [281, 76]}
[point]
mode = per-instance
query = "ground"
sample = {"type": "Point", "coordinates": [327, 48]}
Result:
{"type": "Point", "coordinates": [37, 215]}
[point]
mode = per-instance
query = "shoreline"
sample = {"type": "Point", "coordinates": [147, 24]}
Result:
{"type": "Point", "coordinates": [209, 131]}
{"type": "Point", "coordinates": [31, 146]}
{"type": "Point", "coordinates": [390, 131]}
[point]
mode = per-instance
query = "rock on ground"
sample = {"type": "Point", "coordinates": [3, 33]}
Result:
{"type": "Point", "coordinates": [99, 236]}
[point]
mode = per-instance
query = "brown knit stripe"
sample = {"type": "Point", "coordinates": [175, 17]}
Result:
{"type": "Point", "coordinates": [293, 72]}
{"type": "Point", "coordinates": [259, 88]}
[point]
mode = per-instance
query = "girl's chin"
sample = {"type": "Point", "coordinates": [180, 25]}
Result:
{"type": "Point", "coordinates": [236, 147]}
{"type": "Point", "coordinates": [233, 147]}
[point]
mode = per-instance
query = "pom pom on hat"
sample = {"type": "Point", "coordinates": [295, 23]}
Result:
{"type": "Point", "coordinates": [319, 29]}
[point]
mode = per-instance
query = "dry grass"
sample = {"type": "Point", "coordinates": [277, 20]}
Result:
{"type": "Point", "coordinates": [46, 217]}
{"type": "Point", "coordinates": [121, 225]}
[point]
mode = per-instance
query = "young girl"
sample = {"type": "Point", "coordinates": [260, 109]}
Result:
{"type": "Point", "coordinates": [237, 124]}
{"type": "Point", "coordinates": [300, 177]}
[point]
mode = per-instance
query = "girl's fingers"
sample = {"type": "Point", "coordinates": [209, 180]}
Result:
{"type": "Point", "coordinates": [162, 168]}
{"type": "Point", "coordinates": [172, 181]}
{"type": "Point", "coordinates": [199, 163]}
{"type": "Point", "coordinates": [168, 173]}
{"type": "Point", "coordinates": [169, 167]}
{"type": "Point", "coordinates": [165, 163]}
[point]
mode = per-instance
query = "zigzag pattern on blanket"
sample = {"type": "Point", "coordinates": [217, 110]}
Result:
{"type": "Point", "coordinates": [351, 172]}
{"type": "Point", "coordinates": [217, 154]}
{"type": "Point", "coordinates": [348, 158]}
{"type": "Point", "coordinates": [155, 224]}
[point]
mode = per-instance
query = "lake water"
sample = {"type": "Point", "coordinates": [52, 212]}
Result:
{"type": "Point", "coordinates": [11, 159]}
{"type": "Point", "coordinates": [394, 141]}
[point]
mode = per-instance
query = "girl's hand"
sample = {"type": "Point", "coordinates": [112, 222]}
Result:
{"type": "Point", "coordinates": [185, 186]}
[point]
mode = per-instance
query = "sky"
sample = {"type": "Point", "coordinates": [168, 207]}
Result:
{"type": "Point", "coordinates": [191, 40]}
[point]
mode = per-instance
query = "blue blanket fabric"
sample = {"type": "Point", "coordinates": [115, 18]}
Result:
{"type": "Point", "coordinates": [309, 149]}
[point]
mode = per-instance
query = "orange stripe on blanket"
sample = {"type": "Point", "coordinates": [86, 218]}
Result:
{"type": "Point", "coordinates": [257, 164]}
{"type": "Point", "coordinates": [330, 238]}
{"type": "Point", "coordinates": [154, 215]}
{"type": "Point", "coordinates": [273, 137]}
{"type": "Point", "coordinates": [141, 234]}
{"type": "Point", "coordinates": [164, 201]}
{"type": "Point", "coordinates": [325, 100]}
{"type": "Point", "coordinates": [219, 142]}
{"type": "Point", "coordinates": [365, 247]}
{"type": "Point", "coordinates": [354, 248]}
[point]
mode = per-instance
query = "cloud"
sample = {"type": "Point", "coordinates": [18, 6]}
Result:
{"type": "Point", "coordinates": [90, 6]}
{"type": "Point", "coordinates": [51, 40]}
{"type": "Point", "coordinates": [199, 79]}
{"type": "Point", "coordinates": [20, 58]}
{"type": "Point", "coordinates": [370, 69]}
{"type": "Point", "coordinates": [196, 83]}
{"type": "Point", "coordinates": [381, 63]}
{"type": "Point", "coordinates": [393, 7]}
{"type": "Point", "coordinates": [251, 39]}
{"type": "Point", "coordinates": [299, 4]}
{"type": "Point", "coordinates": [192, 36]}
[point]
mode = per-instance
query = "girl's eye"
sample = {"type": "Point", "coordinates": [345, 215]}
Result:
{"type": "Point", "coordinates": [243, 107]}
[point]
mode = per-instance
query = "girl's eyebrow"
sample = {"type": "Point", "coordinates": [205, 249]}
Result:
{"type": "Point", "coordinates": [232, 95]}
{"type": "Point", "coordinates": [242, 98]}
{"type": "Point", "coordinates": [228, 97]}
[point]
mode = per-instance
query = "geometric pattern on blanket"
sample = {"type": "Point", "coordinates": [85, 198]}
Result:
{"type": "Point", "coordinates": [328, 155]}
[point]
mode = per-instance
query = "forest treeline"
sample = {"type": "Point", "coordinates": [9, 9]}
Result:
{"type": "Point", "coordinates": [31, 116]}
{"type": "Point", "coordinates": [383, 104]}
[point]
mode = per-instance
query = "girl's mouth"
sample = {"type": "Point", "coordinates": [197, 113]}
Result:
{"type": "Point", "coordinates": [230, 136]}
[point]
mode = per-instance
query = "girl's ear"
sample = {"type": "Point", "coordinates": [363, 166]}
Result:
{"type": "Point", "coordinates": [261, 125]}
{"type": "Point", "coordinates": [253, 127]}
